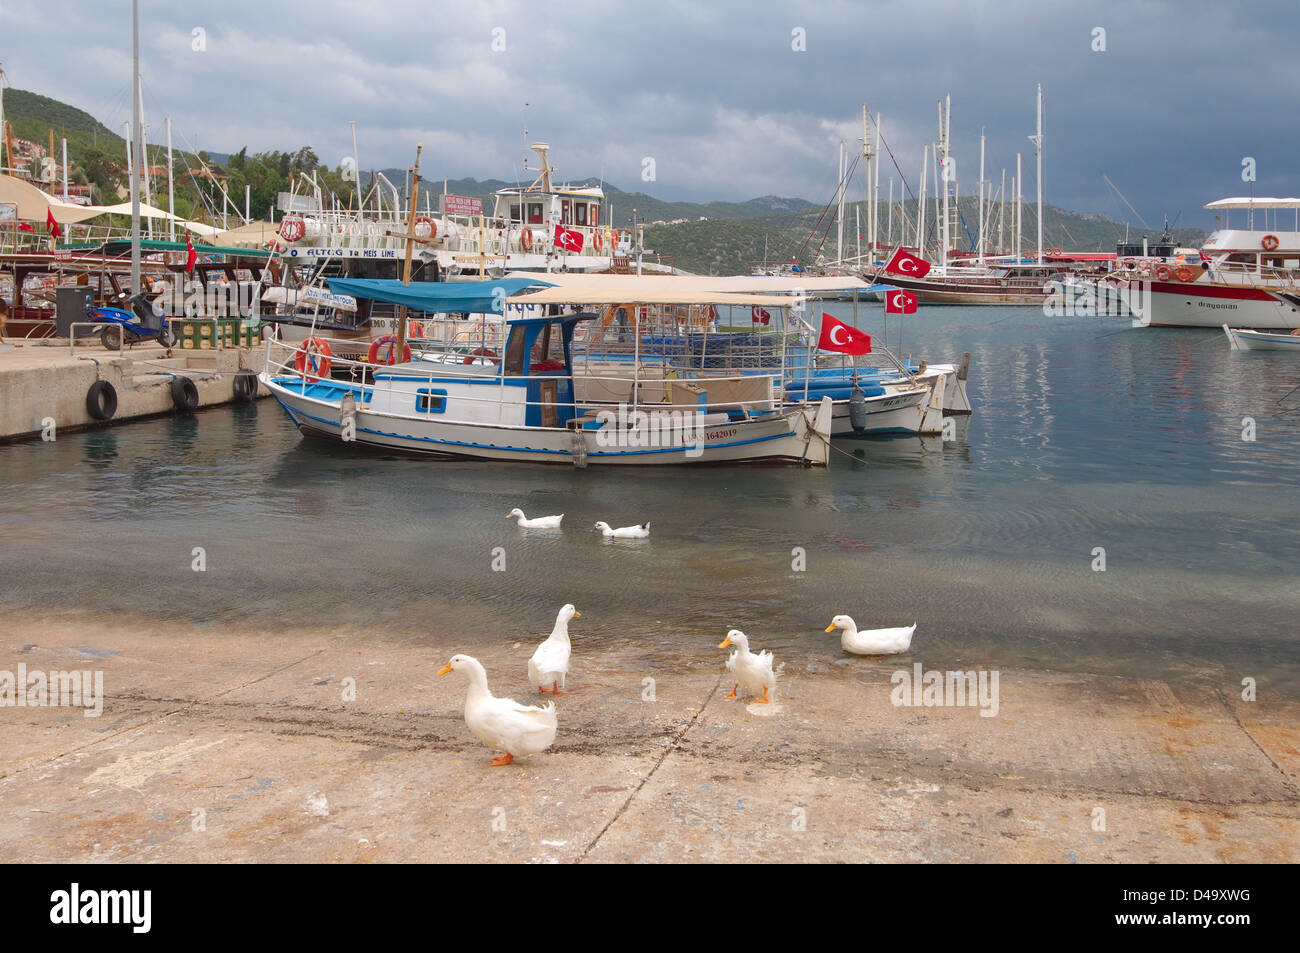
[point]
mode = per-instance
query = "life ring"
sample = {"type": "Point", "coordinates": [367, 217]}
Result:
{"type": "Point", "coordinates": [1162, 273]}
{"type": "Point", "coordinates": [596, 240]}
{"type": "Point", "coordinates": [487, 352]}
{"type": "Point", "coordinates": [613, 241]}
{"type": "Point", "coordinates": [1184, 273]}
{"type": "Point", "coordinates": [526, 239]}
{"type": "Point", "coordinates": [313, 360]}
{"type": "Point", "coordinates": [1268, 242]}
{"type": "Point", "coordinates": [245, 386]}
{"type": "Point", "coordinates": [184, 394]}
{"type": "Point", "coordinates": [1130, 263]}
{"type": "Point", "coordinates": [390, 356]}
{"type": "Point", "coordinates": [425, 220]}
{"type": "Point", "coordinates": [1053, 251]}
{"type": "Point", "coordinates": [414, 329]}
{"type": "Point", "coordinates": [292, 229]}
{"type": "Point", "coordinates": [101, 400]}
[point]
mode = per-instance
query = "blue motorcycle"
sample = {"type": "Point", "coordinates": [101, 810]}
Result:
{"type": "Point", "coordinates": [144, 322]}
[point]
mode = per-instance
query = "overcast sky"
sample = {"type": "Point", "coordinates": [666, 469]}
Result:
{"type": "Point", "coordinates": [715, 93]}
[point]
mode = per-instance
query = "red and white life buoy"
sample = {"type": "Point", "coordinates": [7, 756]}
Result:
{"type": "Point", "coordinates": [485, 352]}
{"type": "Point", "coordinates": [526, 239]}
{"type": "Point", "coordinates": [613, 241]}
{"type": "Point", "coordinates": [1269, 242]}
{"type": "Point", "coordinates": [425, 228]}
{"type": "Point", "coordinates": [388, 343]}
{"type": "Point", "coordinates": [1184, 273]}
{"type": "Point", "coordinates": [292, 229]}
{"type": "Point", "coordinates": [596, 240]}
{"type": "Point", "coordinates": [415, 330]}
{"type": "Point", "coordinates": [313, 360]}
{"type": "Point", "coordinates": [1162, 273]}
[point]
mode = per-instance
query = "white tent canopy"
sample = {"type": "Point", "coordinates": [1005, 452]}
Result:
{"type": "Point", "coordinates": [687, 293]}
{"type": "Point", "coordinates": [34, 205]}
{"type": "Point", "coordinates": [626, 287]}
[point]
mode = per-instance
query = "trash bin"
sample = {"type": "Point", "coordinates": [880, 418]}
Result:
{"type": "Point", "coordinates": [70, 305]}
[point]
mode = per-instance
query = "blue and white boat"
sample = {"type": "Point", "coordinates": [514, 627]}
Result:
{"type": "Point", "coordinates": [526, 405]}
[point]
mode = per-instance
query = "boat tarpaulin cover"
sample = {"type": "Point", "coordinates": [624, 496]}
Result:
{"type": "Point", "coordinates": [477, 297]}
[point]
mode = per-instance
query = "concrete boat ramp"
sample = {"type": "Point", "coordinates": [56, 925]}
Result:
{"type": "Point", "coordinates": [234, 746]}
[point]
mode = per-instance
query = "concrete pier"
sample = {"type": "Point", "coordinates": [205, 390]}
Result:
{"type": "Point", "coordinates": [42, 381]}
{"type": "Point", "coordinates": [233, 746]}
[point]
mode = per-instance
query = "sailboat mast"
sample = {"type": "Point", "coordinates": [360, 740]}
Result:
{"type": "Point", "coordinates": [171, 194]}
{"type": "Point", "coordinates": [981, 232]}
{"type": "Point", "coordinates": [1019, 206]}
{"type": "Point", "coordinates": [839, 241]}
{"type": "Point", "coordinates": [866, 154]}
{"type": "Point", "coordinates": [920, 202]}
{"type": "Point", "coordinates": [1038, 148]}
{"type": "Point", "coordinates": [875, 190]}
{"type": "Point", "coordinates": [135, 137]}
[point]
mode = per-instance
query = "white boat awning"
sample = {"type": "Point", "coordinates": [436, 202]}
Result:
{"type": "Point", "coordinates": [581, 294]}
{"type": "Point", "coordinates": [1249, 202]}
{"type": "Point", "coordinates": [621, 287]}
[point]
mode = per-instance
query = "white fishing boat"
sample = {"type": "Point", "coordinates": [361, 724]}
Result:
{"type": "Point", "coordinates": [1243, 339]}
{"type": "Point", "coordinates": [529, 405]}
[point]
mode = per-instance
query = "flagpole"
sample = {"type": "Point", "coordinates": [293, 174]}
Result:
{"type": "Point", "coordinates": [135, 159]}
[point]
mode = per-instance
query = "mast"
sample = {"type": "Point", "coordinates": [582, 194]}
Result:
{"type": "Point", "coordinates": [400, 347]}
{"type": "Point", "coordinates": [65, 170]}
{"type": "Point", "coordinates": [1002, 206]}
{"type": "Point", "coordinates": [135, 137]}
{"type": "Point", "coordinates": [1037, 140]}
{"type": "Point", "coordinates": [356, 167]}
{"type": "Point", "coordinates": [171, 193]}
{"type": "Point", "coordinates": [839, 241]}
{"type": "Point", "coordinates": [867, 154]}
{"type": "Point", "coordinates": [981, 231]}
{"type": "Point", "coordinates": [875, 192]}
{"type": "Point", "coordinates": [889, 240]}
{"type": "Point", "coordinates": [1019, 206]}
{"type": "Point", "coordinates": [920, 202]}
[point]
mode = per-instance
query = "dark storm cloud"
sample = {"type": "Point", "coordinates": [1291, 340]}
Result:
{"type": "Point", "coordinates": [715, 94]}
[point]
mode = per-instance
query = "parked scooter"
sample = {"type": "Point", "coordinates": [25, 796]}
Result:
{"type": "Point", "coordinates": [144, 321]}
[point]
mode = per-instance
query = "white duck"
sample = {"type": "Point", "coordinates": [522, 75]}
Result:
{"type": "Point", "coordinates": [640, 531]}
{"type": "Point", "coordinates": [550, 663]}
{"type": "Point", "coordinates": [502, 723]}
{"type": "Point", "coordinates": [752, 671]}
{"type": "Point", "coordinates": [872, 641]}
{"type": "Point", "coordinates": [537, 522]}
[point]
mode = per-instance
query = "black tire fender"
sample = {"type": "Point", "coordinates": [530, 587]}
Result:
{"type": "Point", "coordinates": [245, 386]}
{"type": "Point", "coordinates": [101, 400]}
{"type": "Point", "coordinates": [184, 394]}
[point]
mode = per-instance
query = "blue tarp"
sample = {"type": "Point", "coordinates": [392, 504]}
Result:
{"type": "Point", "coordinates": [478, 297]}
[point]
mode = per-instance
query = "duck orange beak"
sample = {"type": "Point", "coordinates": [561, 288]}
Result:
{"type": "Point", "coordinates": [725, 642]}
{"type": "Point", "coordinates": [577, 614]}
{"type": "Point", "coordinates": [445, 670]}
{"type": "Point", "coordinates": [830, 627]}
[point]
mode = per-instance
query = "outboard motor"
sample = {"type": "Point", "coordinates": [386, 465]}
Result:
{"type": "Point", "coordinates": [857, 407]}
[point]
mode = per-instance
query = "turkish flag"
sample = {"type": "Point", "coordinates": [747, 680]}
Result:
{"type": "Point", "coordinates": [838, 336]}
{"type": "Point", "coordinates": [900, 302]}
{"type": "Point", "coordinates": [904, 264]}
{"type": "Point", "coordinates": [568, 239]}
{"type": "Point", "coordinates": [51, 225]}
{"type": "Point", "coordinates": [759, 315]}
{"type": "Point", "coordinates": [25, 227]}
{"type": "Point", "coordinates": [191, 256]}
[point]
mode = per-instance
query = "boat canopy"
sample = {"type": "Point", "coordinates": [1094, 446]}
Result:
{"type": "Point", "coordinates": [611, 294]}
{"type": "Point", "coordinates": [1254, 202]}
{"type": "Point", "coordinates": [440, 297]}
{"type": "Point", "coordinates": [122, 246]}
{"type": "Point", "coordinates": [620, 285]}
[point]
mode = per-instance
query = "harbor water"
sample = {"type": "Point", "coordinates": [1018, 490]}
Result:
{"type": "Point", "coordinates": [1157, 454]}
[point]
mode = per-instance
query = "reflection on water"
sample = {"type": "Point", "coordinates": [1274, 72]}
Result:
{"type": "Point", "coordinates": [1086, 434]}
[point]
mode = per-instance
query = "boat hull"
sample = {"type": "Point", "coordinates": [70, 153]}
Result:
{"type": "Point", "coordinates": [1206, 305]}
{"type": "Point", "coordinates": [1243, 340]}
{"type": "Point", "coordinates": [797, 437]}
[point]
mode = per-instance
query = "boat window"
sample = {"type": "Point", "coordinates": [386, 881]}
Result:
{"type": "Point", "coordinates": [430, 400]}
{"type": "Point", "coordinates": [548, 350]}
{"type": "Point", "coordinates": [566, 212]}
{"type": "Point", "coordinates": [514, 213]}
{"type": "Point", "coordinates": [581, 212]}
{"type": "Point", "coordinates": [534, 213]}
{"type": "Point", "coordinates": [593, 218]}
{"type": "Point", "coordinates": [513, 365]}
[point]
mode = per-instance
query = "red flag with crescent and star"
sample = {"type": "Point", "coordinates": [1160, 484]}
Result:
{"type": "Point", "coordinates": [759, 315]}
{"type": "Point", "coordinates": [568, 239]}
{"type": "Point", "coordinates": [51, 225]}
{"type": "Point", "coordinates": [191, 256]}
{"type": "Point", "coordinates": [900, 302]}
{"type": "Point", "coordinates": [904, 264]}
{"type": "Point", "coordinates": [838, 336]}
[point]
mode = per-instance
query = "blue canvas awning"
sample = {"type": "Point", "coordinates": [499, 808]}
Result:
{"type": "Point", "coordinates": [478, 297]}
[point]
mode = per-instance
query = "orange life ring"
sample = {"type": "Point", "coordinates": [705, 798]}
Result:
{"type": "Point", "coordinates": [415, 330]}
{"type": "Point", "coordinates": [425, 220]}
{"type": "Point", "coordinates": [1184, 273]}
{"type": "Point", "coordinates": [595, 239]}
{"type": "Point", "coordinates": [313, 360]}
{"type": "Point", "coordinates": [526, 239]}
{"type": "Point", "coordinates": [1053, 251]}
{"type": "Point", "coordinates": [1130, 263]}
{"type": "Point", "coordinates": [1268, 242]}
{"type": "Point", "coordinates": [391, 356]}
{"type": "Point", "coordinates": [1162, 273]}
{"type": "Point", "coordinates": [487, 352]}
{"type": "Point", "coordinates": [292, 229]}
{"type": "Point", "coordinates": [613, 241]}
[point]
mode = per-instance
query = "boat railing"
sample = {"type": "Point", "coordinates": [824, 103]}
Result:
{"type": "Point", "coordinates": [647, 390]}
